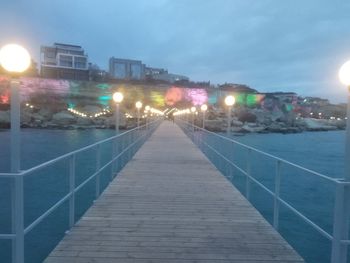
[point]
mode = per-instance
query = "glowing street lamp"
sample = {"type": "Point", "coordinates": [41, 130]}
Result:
{"type": "Point", "coordinates": [229, 101]}
{"type": "Point", "coordinates": [204, 108]}
{"type": "Point", "coordinates": [118, 98]}
{"type": "Point", "coordinates": [138, 105]}
{"type": "Point", "coordinates": [15, 60]}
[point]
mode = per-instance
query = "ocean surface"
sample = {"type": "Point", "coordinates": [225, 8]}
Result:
{"type": "Point", "coordinates": [319, 151]}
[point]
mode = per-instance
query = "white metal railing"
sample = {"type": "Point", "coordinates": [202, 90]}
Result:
{"type": "Point", "coordinates": [339, 236]}
{"type": "Point", "coordinates": [124, 146]}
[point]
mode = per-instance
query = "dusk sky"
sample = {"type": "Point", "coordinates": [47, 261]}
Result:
{"type": "Point", "coordinates": [269, 45]}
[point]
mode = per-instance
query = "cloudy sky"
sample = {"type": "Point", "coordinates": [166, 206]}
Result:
{"type": "Point", "coordinates": [270, 45]}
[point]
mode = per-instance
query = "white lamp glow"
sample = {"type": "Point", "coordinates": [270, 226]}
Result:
{"type": "Point", "coordinates": [118, 97]}
{"type": "Point", "coordinates": [344, 73]}
{"type": "Point", "coordinates": [138, 105]}
{"type": "Point", "coordinates": [204, 107]}
{"type": "Point", "coordinates": [14, 58]}
{"type": "Point", "coordinates": [193, 109]}
{"type": "Point", "coordinates": [230, 100]}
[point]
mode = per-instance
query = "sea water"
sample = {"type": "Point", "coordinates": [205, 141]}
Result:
{"type": "Point", "coordinates": [311, 195]}
{"type": "Point", "coordinates": [319, 151]}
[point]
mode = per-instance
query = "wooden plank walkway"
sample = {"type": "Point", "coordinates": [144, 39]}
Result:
{"type": "Point", "coordinates": [170, 204]}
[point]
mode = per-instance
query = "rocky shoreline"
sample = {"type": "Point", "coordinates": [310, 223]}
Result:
{"type": "Point", "coordinates": [260, 121]}
{"type": "Point", "coordinates": [243, 121]}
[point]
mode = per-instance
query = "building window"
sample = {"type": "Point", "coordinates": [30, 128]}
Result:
{"type": "Point", "coordinates": [66, 61]}
{"type": "Point", "coordinates": [80, 62]}
{"type": "Point", "coordinates": [50, 54]}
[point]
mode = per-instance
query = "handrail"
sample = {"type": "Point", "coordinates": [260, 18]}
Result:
{"type": "Point", "coordinates": [137, 136]}
{"type": "Point", "coordinates": [339, 237]}
{"type": "Point", "coordinates": [293, 209]}
{"type": "Point", "coordinates": [269, 155]}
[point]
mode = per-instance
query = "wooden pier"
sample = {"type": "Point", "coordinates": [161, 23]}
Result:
{"type": "Point", "coordinates": [170, 204]}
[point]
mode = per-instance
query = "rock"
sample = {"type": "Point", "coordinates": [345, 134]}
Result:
{"type": "Point", "coordinates": [84, 121]}
{"type": "Point", "coordinates": [318, 125]}
{"type": "Point", "coordinates": [46, 114]}
{"type": "Point", "coordinates": [63, 118]}
{"type": "Point", "coordinates": [91, 109]}
{"type": "Point", "coordinates": [110, 121]}
{"type": "Point", "coordinates": [236, 123]}
{"type": "Point", "coordinates": [214, 125]}
{"type": "Point", "coordinates": [4, 117]}
{"type": "Point", "coordinates": [246, 116]}
{"type": "Point", "coordinates": [253, 127]}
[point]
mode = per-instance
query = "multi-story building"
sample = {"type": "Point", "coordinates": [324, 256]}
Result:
{"type": "Point", "coordinates": [172, 78]}
{"type": "Point", "coordinates": [151, 72]}
{"type": "Point", "coordinates": [64, 61]}
{"type": "Point", "coordinates": [127, 69]}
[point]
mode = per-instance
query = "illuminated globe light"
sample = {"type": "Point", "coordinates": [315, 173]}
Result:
{"type": "Point", "coordinates": [230, 100]}
{"type": "Point", "coordinates": [344, 73]}
{"type": "Point", "coordinates": [118, 97]}
{"type": "Point", "coordinates": [14, 58]}
{"type": "Point", "coordinates": [147, 108]}
{"type": "Point", "coordinates": [193, 109]}
{"type": "Point", "coordinates": [204, 107]}
{"type": "Point", "coordinates": [138, 105]}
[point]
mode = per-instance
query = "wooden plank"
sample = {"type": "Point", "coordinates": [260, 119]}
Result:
{"type": "Point", "coordinates": [170, 204]}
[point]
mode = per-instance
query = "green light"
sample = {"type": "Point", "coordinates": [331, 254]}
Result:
{"type": "Point", "coordinates": [103, 86]}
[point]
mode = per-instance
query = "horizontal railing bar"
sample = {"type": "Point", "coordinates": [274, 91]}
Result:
{"type": "Point", "coordinates": [345, 242]}
{"type": "Point", "coordinates": [290, 207]}
{"type": "Point", "coordinates": [8, 175]}
{"type": "Point", "coordinates": [307, 220]}
{"type": "Point", "coordinates": [67, 155]}
{"type": "Point", "coordinates": [7, 236]}
{"type": "Point", "coordinates": [227, 160]}
{"type": "Point", "coordinates": [269, 155]}
{"type": "Point", "coordinates": [47, 213]}
{"type": "Point", "coordinates": [60, 202]}
{"type": "Point", "coordinates": [106, 165]}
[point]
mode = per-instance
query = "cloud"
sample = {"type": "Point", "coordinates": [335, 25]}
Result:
{"type": "Point", "coordinates": [267, 44]}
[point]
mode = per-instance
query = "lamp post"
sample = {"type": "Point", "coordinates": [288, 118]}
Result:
{"type": "Point", "coordinates": [118, 98]}
{"type": "Point", "coordinates": [344, 77]}
{"type": "Point", "coordinates": [341, 206]}
{"type": "Point", "coordinates": [138, 105]}
{"type": "Point", "coordinates": [193, 110]}
{"type": "Point", "coordinates": [204, 108]}
{"type": "Point", "coordinates": [15, 60]}
{"type": "Point", "coordinates": [147, 109]}
{"type": "Point", "coordinates": [229, 101]}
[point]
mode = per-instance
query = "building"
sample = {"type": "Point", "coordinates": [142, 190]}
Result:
{"type": "Point", "coordinates": [150, 72]}
{"type": "Point", "coordinates": [126, 69]}
{"type": "Point", "coordinates": [171, 78]}
{"type": "Point", "coordinates": [63, 61]}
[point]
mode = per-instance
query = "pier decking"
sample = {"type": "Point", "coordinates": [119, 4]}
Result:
{"type": "Point", "coordinates": [170, 204]}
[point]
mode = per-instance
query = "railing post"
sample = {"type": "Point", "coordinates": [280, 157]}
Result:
{"type": "Point", "coordinates": [114, 165]}
{"type": "Point", "coordinates": [98, 166]}
{"type": "Point", "coordinates": [247, 185]}
{"type": "Point", "coordinates": [18, 249]}
{"type": "Point", "coordinates": [71, 191]}
{"type": "Point", "coordinates": [340, 223]}
{"type": "Point", "coordinates": [276, 205]}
